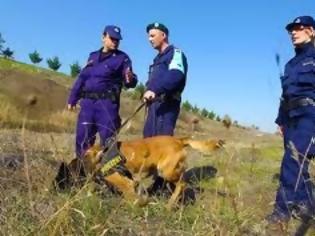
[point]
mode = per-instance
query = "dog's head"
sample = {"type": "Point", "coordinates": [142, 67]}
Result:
{"type": "Point", "coordinates": [70, 175]}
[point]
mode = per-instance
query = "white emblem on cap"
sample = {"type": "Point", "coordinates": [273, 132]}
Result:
{"type": "Point", "coordinates": [116, 29]}
{"type": "Point", "coordinates": [156, 24]}
{"type": "Point", "coordinates": [298, 20]}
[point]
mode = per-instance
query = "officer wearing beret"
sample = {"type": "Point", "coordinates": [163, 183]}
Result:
{"type": "Point", "coordinates": [98, 88]}
{"type": "Point", "coordinates": [296, 119]}
{"type": "Point", "coordinates": [167, 78]}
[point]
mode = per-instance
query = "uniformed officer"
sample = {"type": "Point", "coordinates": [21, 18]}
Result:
{"type": "Point", "coordinates": [167, 78]}
{"type": "Point", "coordinates": [98, 86]}
{"type": "Point", "coordinates": [296, 119]}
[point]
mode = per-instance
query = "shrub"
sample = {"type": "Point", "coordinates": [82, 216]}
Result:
{"type": "Point", "coordinates": [53, 63]}
{"type": "Point", "coordinates": [75, 69]}
{"type": "Point", "coordinates": [227, 121]}
{"type": "Point", "coordinates": [35, 57]}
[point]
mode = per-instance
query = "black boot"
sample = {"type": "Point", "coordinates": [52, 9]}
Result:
{"type": "Point", "coordinates": [277, 217]}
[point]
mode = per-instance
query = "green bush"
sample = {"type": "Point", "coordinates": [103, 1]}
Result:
{"type": "Point", "coordinates": [53, 63]}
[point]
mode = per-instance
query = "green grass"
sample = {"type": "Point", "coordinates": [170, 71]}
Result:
{"type": "Point", "coordinates": [233, 203]}
{"type": "Point", "coordinates": [7, 64]}
{"type": "Point", "coordinates": [11, 66]}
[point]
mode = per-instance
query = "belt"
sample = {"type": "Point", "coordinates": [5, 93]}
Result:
{"type": "Point", "coordinates": [99, 95]}
{"type": "Point", "coordinates": [164, 97]}
{"type": "Point", "coordinates": [296, 103]}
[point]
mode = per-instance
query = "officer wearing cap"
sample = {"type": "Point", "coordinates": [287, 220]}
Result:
{"type": "Point", "coordinates": [296, 120]}
{"type": "Point", "coordinates": [167, 78]}
{"type": "Point", "coordinates": [98, 88]}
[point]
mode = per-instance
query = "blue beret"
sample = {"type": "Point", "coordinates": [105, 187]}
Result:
{"type": "Point", "coordinates": [113, 31]}
{"type": "Point", "coordinates": [158, 26]}
{"type": "Point", "coordinates": [301, 20]}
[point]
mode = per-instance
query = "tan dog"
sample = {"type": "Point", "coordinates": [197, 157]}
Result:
{"type": "Point", "coordinates": [164, 155]}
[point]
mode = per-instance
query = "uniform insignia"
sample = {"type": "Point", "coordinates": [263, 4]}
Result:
{"type": "Point", "coordinates": [111, 164]}
{"type": "Point", "coordinates": [177, 61]}
{"type": "Point", "coordinates": [298, 20]}
{"type": "Point", "coordinates": [156, 24]}
{"type": "Point", "coordinates": [308, 63]}
{"type": "Point", "coordinates": [116, 29]}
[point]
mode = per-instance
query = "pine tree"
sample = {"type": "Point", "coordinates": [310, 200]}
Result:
{"type": "Point", "coordinates": [53, 63]}
{"type": "Point", "coordinates": [2, 41]}
{"type": "Point", "coordinates": [195, 109]}
{"type": "Point", "coordinates": [204, 112]}
{"type": "Point", "coordinates": [8, 53]}
{"type": "Point", "coordinates": [227, 121]}
{"type": "Point", "coordinates": [140, 88]}
{"type": "Point", "coordinates": [35, 57]}
{"type": "Point", "coordinates": [75, 69]}
{"type": "Point", "coordinates": [186, 106]}
{"type": "Point", "coordinates": [211, 115]}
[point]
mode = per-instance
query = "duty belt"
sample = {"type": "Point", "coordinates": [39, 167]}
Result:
{"type": "Point", "coordinates": [164, 97]}
{"type": "Point", "coordinates": [99, 95]}
{"type": "Point", "coordinates": [296, 103]}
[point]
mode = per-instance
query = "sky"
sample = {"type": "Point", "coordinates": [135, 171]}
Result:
{"type": "Point", "coordinates": [230, 45]}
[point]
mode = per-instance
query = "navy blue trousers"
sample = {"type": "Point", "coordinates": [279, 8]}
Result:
{"type": "Point", "coordinates": [161, 118]}
{"type": "Point", "coordinates": [295, 183]}
{"type": "Point", "coordinates": [100, 116]}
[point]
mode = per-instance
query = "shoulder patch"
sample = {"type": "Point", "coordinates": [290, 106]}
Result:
{"type": "Point", "coordinates": [177, 61]}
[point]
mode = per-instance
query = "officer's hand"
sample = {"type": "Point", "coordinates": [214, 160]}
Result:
{"type": "Point", "coordinates": [148, 95]}
{"type": "Point", "coordinates": [128, 75]}
{"type": "Point", "coordinates": [71, 107]}
{"type": "Point", "coordinates": [280, 130]}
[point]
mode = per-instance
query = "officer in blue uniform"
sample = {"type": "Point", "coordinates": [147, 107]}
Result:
{"type": "Point", "coordinates": [98, 88]}
{"type": "Point", "coordinates": [167, 78]}
{"type": "Point", "coordinates": [296, 119]}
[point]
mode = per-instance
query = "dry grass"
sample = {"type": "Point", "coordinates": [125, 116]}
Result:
{"type": "Point", "coordinates": [233, 203]}
{"type": "Point", "coordinates": [11, 117]}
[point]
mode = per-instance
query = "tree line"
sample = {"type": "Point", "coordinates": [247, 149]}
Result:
{"type": "Point", "coordinates": [53, 63]}
{"type": "Point", "coordinates": [226, 120]}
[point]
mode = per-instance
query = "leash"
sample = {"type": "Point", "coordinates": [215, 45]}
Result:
{"type": "Point", "coordinates": [111, 143]}
{"type": "Point", "coordinates": [132, 115]}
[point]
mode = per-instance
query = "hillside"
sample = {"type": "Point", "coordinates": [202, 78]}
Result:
{"type": "Point", "coordinates": [40, 95]}
{"type": "Point", "coordinates": [234, 202]}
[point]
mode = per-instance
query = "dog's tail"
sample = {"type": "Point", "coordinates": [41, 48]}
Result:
{"type": "Point", "coordinates": [203, 145]}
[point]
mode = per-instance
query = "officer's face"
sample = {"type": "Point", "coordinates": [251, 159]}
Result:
{"type": "Point", "coordinates": [301, 34]}
{"type": "Point", "coordinates": [110, 43]}
{"type": "Point", "coordinates": [157, 38]}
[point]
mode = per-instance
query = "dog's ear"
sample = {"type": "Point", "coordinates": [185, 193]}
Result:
{"type": "Point", "coordinates": [62, 180]}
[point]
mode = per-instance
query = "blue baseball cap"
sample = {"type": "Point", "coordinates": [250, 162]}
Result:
{"type": "Point", "coordinates": [158, 26]}
{"type": "Point", "coordinates": [301, 20]}
{"type": "Point", "coordinates": [113, 31]}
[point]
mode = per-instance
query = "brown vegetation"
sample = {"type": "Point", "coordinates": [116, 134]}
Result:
{"type": "Point", "coordinates": [233, 203]}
